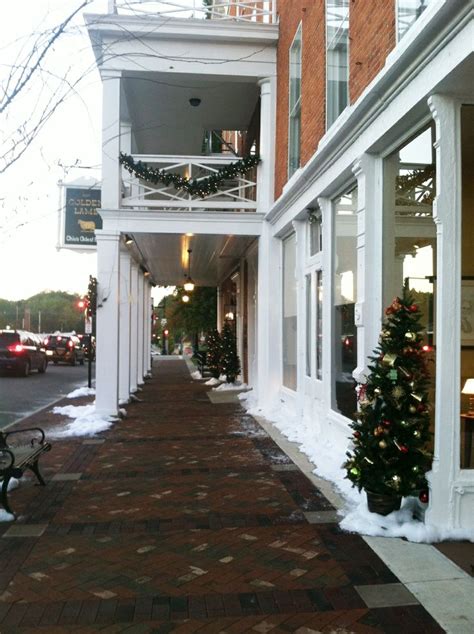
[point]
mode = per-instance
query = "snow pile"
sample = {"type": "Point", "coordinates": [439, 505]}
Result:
{"type": "Point", "coordinates": [230, 386]}
{"type": "Point", "coordinates": [212, 381]}
{"type": "Point", "coordinates": [81, 391]}
{"type": "Point", "coordinates": [85, 421]}
{"type": "Point", "coordinates": [196, 375]}
{"type": "Point", "coordinates": [328, 459]}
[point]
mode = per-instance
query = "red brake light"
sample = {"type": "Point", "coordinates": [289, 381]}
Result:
{"type": "Point", "coordinates": [46, 341]}
{"type": "Point", "coordinates": [70, 344]}
{"type": "Point", "coordinates": [58, 338]}
{"type": "Point", "coordinates": [15, 347]}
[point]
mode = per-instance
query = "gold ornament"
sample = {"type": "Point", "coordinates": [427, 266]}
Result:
{"type": "Point", "coordinates": [398, 392]}
{"type": "Point", "coordinates": [417, 433]}
{"type": "Point", "coordinates": [389, 359]}
{"type": "Point", "coordinates": [412, 409]}
{"type": "Point", "coordinates": [410, 336]}
{"type": "Point", "coordinates": [383, 444]}
{"type": "Point", "coordinates": [404, 423]}
{"type": "Point", "coordinates": [377, 391]}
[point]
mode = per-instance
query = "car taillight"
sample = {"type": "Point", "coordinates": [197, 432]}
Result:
{"type": "Point", "coordinates": [70, 344]}
{"type": "Point", "coordinates": [46, 341]}
{"type": "Point", "coordinates": [15, 347]}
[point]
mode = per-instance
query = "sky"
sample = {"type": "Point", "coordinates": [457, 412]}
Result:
{"type": "Point", "coordinates": [66, 149]}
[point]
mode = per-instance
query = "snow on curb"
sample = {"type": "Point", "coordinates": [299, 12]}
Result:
{"type": "Point", "coordinates": [225, 387]}
{"type": "Point", "coordinates": [85, 421]}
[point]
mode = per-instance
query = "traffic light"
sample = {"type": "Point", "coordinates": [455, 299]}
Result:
{"type": "Point", "coordinates": [166, 332]}
{"type": "Point", "coordinates": [82, 304]}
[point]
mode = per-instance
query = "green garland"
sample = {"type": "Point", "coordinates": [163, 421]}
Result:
{"type": "Point", "coordinates": [201, 187]}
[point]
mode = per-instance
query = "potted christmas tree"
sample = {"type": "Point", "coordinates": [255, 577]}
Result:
{"type": "Point", "coordinates": [230, 362]}
{"type": "Point", "coordinates": [214, 352]}
{"type": "Point", "coordinates": [391, 431]}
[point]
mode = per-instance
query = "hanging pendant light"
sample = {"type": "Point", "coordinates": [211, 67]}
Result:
{"type": "Point", "coordinates": [189, 284]}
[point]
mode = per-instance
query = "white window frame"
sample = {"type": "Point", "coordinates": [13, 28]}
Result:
{"type": "Point", "coordinates": [294, 110]}
{"type": "Point", "coordinates": [314, 266]}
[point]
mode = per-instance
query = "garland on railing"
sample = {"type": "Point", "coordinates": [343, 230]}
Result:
{"type": "Point", "coordinates": [197, 186]}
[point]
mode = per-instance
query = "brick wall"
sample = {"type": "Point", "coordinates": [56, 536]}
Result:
{"type": "Point", "coordinates": [372, 37]}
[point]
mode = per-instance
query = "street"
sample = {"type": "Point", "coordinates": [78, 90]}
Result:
{"type": "Point", "coordinates": [21, 396]}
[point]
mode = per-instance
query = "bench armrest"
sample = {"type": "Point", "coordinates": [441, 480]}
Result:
{"type": "Point", "coordinates": [5, 435]}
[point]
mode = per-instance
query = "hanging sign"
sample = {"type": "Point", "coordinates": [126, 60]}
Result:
{"type": "Point", "coordinates": [81, 217]}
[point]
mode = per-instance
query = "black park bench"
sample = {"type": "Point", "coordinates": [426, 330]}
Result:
{"type": "Point", "coordinates": [20, 450]}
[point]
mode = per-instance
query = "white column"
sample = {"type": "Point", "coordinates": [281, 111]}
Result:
{"type": "Point", "coordinates": [147, 331]}
{"type": "Point", "coordinates": [265, 180]}
{"type": "Point", "coordinates": [300, 232]}
{"type": "Point", "coordinates": [135, 272]}
{"type": "Point", "coordinates": [140, 326]}
{"type": "Point", "coordinates": [452, 490]}
{"type": "Point", "coordinates": [269, 311]}
{"type": "Point", "coordinates": [111, 172]}
{"type": "Point", "coordinates": [368, 309]}
{"type": "Point", "coordinates": [326, 207]}
{"type": "Point", "coordinates": [107, 361]}
{"type": "Point", "coordinates": [125, 321]}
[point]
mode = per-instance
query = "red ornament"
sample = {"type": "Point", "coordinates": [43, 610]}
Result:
{"type": "Point", "coordinates": [386, 422]}
{"type": "Point", "coordinates": [404, 449]}
{"type": "Point", "coordinates": [357, 434]}
{"type": "Point", "coordinates": [420, 408]}
{"type": "Point", "coordinates": [424, 496]}
{"type": "Point", "coordinates": [413, 308]}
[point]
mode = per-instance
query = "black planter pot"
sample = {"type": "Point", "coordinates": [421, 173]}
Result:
{"type": "Point", "coordinates": [382, 503]}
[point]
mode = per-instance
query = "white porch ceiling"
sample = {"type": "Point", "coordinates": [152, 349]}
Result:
{"type": "Point", "coordinates": [164, 122]}
{"type": "Point", "coordinates": [213, 257]}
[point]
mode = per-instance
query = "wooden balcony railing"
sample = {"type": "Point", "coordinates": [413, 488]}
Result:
{"type": "Point", "coordinates": [238, 193]}
{"type": "Point", "coordinates": [260, 11]}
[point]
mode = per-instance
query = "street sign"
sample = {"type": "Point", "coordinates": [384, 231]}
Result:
{"type": "Point", "coordinates": [88, 325]}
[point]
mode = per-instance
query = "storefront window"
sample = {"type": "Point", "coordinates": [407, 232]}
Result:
{"type": "Point", "coordinates": [344, 299]}
{"type": "Point", "coordinates": [467, 289]}
{"type": "Point", "coordinates": [409, 243]}
{"type": "Point", "coordinates": [289, 313]}
{"type": "Point", "coordinates": [308, 325]}
{"type": "Point", "coordinates": [319, 325]}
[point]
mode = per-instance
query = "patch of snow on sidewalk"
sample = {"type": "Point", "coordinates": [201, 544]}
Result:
{"type": "Point", "coordinates": [328, 459]}
{"type": "Point", "coordinates": [212, 381]}
{"type": "Point", "coordinates": [230, 386]}
{"type": "Point", "coordinates": [81, 391]}
{"type": "Point", "coordinates": [85, 421]}
{"type": "Point", "coordinates": [196, 374]}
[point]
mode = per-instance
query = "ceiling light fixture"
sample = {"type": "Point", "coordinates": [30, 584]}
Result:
{"type": "Point", "coordinates": [128, 239]}
{"type": "Point", "coordinates": [185, 298]}
{"type": "Point", "coordinates": [189, 284]}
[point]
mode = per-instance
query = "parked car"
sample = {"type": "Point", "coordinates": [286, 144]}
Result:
{"type": "Point", "coordinates": [64, 347]}
{"type": "Point", "coordinates": [85, 345]}
{"type": "Point", "coordinates": [22, 351]}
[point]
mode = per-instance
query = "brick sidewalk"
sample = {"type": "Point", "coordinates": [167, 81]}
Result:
{"type": "Point", "coordinates": [185, 517]}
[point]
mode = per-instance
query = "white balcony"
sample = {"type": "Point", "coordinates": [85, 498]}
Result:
{"type": "Point", "coordinates": [259, 11]}
{"type": "Point", "coordinates": [236, 194]}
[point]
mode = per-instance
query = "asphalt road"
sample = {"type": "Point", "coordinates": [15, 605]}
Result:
{"type": "Point", "coordinates": [22, 396]}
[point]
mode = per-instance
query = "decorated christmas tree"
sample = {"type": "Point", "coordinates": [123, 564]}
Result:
{"type": "Point", "coordinates": [230, 362]}
{"type": "Point", "coordinates": [214, 352]}
{"type": "Point", "coordinates": [391, 430]}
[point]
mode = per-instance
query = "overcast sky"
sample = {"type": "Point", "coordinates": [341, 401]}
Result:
{"type": "Point", "coordinates": [29, 198]}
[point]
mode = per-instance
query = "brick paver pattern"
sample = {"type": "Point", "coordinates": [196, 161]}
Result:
{"type": "Point", "coordinates": [182, 520]}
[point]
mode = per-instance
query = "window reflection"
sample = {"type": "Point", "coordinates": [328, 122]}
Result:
{"type": "Point", "coordinates": [408, 12]}
{"type": "Point", "coordinates": [289, 313]}
{"type": "Point", "coordinates": [345, 294]}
